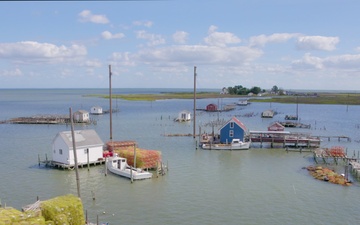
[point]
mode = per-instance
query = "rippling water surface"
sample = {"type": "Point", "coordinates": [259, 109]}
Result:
{"type": "Point", "coordinates": [258, 186]}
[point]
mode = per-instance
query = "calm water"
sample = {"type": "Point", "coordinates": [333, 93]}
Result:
{"type": "Point", "coordinates": [258, 186]}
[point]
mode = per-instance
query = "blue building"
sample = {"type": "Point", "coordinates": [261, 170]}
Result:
{"type": "Point", "coordinates": [234, 128]}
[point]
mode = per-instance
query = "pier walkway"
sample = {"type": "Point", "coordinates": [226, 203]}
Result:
{"type": "Point", "coordinates": [284, 138]}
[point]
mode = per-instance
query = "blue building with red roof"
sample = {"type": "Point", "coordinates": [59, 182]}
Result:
{"type": "Point", "coordinates": [234, 128]}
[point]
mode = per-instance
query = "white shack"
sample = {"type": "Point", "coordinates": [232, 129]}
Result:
{"type": "Point", "coordinates": [267, 114]}
{"type": "Point", "coordinates": [184, 116]}
{"type": "Point", "coordinates": [81, 116]}
{"type": "Point", "coordinates": [89, 147]}
{"type": "Point", "coordinates": [96, 110]}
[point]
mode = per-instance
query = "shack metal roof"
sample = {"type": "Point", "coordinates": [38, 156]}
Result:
{"type": "Point", "coordinates": [235, 120]}
{"type": "Point", "coordinates": [83, 138]}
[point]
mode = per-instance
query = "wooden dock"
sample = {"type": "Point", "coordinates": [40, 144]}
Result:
{"type": "Point", "coordinates": [339, 138]}
{"type": "Point", "coordinates": [53, 164]}
{"type": "Point", "coordinates": [44, 119]}
{"type": "Point", "coordinates": [284, 139]}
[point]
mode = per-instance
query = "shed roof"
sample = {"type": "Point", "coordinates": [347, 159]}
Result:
{"type": "Point", "coordinates": [82, 138]}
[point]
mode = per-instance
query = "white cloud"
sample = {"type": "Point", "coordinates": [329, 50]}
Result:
{"type": "Point", "coordinates": [308, 62]}
{"type": "Point", "coordinates": [108, 35]}
{"type": "Point", "coordinates": [87, 16]}
{"type": "Point", "coordinates": [34, 51]}
{"type": "Point", "coordinates": [199, 54]}
{"type": "Point", "coordinates": [317, 43]}
{"type": "Point", "coordinates": [143, 23]}
{"type": "Point", "coordinates": [12, 73]}
{"type": "Point", "coordinates": [262, 40]}
{"type": "Point", "coordinates": [152, 38]}
{"type": "Point", "coordinates": [123, 59]}
{"type": "Point", "coordinates": [93, 63]}
{"type": "Point", "coordinates": [180, 37]}
{"type": "Point", "coordinates": [339, 62]}
{"type": "Point", "coordinates": [220, 39]}
{"type": "Point", "coordinates": [343, 61]}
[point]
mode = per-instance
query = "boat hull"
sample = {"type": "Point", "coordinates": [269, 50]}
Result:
{"type": "Point", "coordinates": [125, 170]}
{"type": "Point", "coordinates": [127, 173]}
{"type": "Point", "coordinates": [239, 146]}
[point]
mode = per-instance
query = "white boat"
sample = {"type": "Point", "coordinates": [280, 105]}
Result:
{"type": "Point", "coordinates": [236, 144]}
{"type": "Point", "coordinates": [119, 166]}
{"type": "Point", "coordinates": [243, 102]}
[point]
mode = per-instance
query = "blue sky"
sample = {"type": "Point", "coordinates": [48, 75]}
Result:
{"type": "Point", "coordinates": [156, 44]}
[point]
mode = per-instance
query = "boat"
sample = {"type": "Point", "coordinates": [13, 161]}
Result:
{"type": "Point", "coordinates": [294, 117]}
{"type": "Point", "coordinates": [236, 144]}
{"type": "Point", "coordinates": [291, 117]}
{"type": "Point", "coordinates": [243, 102]}
{"type": "Point", "coordinates": [119, 166]}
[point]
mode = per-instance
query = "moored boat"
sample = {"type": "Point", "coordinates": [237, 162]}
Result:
{"type": "Point", "coordinates": [119, 166]}
{"type": "Point", "coordinates": [236, 144]}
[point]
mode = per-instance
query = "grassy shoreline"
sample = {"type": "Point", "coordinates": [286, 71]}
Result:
{"type": "Point", "coordinates": [319, 98]}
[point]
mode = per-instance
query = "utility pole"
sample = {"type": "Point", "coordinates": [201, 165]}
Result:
{"type": "Point", "coordinates": [75, 153]}
{"type": "Point", "coordinates": [194, 126]}
{"type": "Point", "coordinates": [110, 99]}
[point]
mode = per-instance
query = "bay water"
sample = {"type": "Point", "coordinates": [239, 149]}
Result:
{"type": "Point", "coordinates": [256, 186]}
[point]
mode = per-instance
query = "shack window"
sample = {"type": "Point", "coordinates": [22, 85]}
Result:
{"type": "Point", "coordinates": [231, 124]}
{"type": "Point", "coordinates": [231, 133]}
{"type": "Point", "coordinates": [60, 151]}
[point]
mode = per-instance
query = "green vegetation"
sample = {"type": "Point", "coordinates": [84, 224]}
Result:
{"type": "Point", "coordinates": [167, 95]}
{"type": "Point", "coordinates": [240, 90]}
{"type": "Point", "coordinates": [304, 98]}
{"type": "Point", "coordinates": [320, 98]}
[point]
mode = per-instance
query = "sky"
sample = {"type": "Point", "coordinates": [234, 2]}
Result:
{"type": "Point", "coordinates": [297, 44]}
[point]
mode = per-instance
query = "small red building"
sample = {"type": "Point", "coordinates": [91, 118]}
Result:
{"type": "Point", "coordinates": [211, 108]}
{"type": "Point", "coordinates": [276, 127]}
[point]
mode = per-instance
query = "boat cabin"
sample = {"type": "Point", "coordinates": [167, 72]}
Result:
{"type": "Point", "coordinates": [118, 162]}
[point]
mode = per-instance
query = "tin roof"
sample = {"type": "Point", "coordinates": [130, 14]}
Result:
{"type": "Point", "coordinates": [82, 138]}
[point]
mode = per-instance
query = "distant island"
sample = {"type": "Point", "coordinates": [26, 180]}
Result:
{"type": "Point", "coordinates": [289, 97]}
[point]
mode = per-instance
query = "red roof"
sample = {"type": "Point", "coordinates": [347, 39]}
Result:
{"type": "Point", "coordinates": [238, 122]}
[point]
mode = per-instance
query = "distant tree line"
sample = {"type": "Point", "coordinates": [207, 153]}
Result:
{"type": "Point", "coordinates": [240, 90]}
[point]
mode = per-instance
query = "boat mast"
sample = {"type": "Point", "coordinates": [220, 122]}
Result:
{"type": "Point", "coordinates": [110, 99]}
{"type": "Point", "coordinates": [297, 108]}
{"type": "Point", "coordinates": [194, 135]}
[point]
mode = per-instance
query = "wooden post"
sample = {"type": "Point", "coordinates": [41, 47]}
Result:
{"type": "Point", "coordinates": [157, 169]}
{"type": "Point", "coordinates": [131, 174]}
{"type": "Point", "coordinates": [106, 160]}
{"type": "Point", "coordinates": [39, 159]}
{"type": "Point", "coordinates": [88, 165]}
{"type": "Point", "coordinates": [134, 155]}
